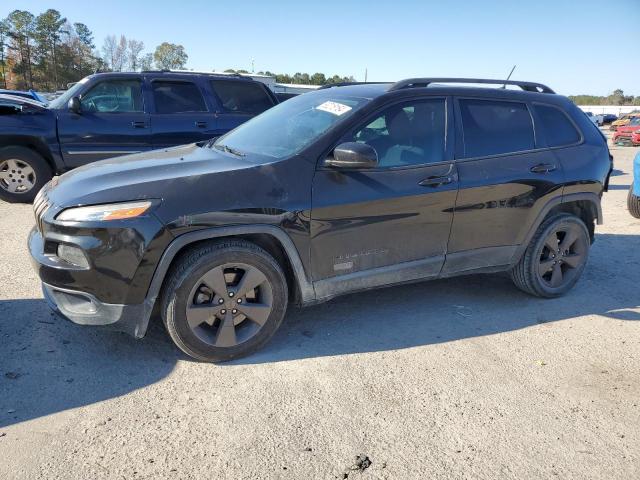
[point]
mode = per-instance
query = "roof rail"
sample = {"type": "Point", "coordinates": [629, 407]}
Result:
{"type": "Point", "coordinates": [424, 82]}
{"type": "Point", "coordinates": [346, 84]}
{"type": "Point", "coordinates": [166, 70]}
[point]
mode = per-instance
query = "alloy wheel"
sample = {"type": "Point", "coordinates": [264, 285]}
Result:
{"type": "Point", "coordinates": [563, 254]}
{"type": "Point", "coordinates": [229, 304]}
{"type": "Point", "coordinates": [16, 176]}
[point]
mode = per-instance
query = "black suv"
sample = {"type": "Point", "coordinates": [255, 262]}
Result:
{"type": "Point", "coordinates": [110, 114]}
{"type": "Point", "coordinates": [334, 191]}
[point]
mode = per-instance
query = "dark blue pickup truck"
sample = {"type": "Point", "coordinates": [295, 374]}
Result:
{"type": "Point", "coordinates": [111, 114]}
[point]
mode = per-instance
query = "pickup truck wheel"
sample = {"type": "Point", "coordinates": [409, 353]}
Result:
{"type": "Point", "coordinates": [224, 300]}
{"type": "Point", "coordinates": [23, 173]}
{"type": "Point", "coordinates": [633, 203]}
{"type": "Point", "coordinates": [555, 257]}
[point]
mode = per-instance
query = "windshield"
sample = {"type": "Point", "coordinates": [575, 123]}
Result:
{"type": "Point", "coordinates": [62, 100]}
{"type": "Point", "coordinates": [289, 127]}
{"type": "Point", "coordinates": [635, 121]}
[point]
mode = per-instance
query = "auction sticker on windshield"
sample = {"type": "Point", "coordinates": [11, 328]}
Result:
{"type": "Point", "coordinates": [334, 108]}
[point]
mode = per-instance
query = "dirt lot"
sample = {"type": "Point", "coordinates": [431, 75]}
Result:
{"type": "Point", "coordinates": [461, 378]}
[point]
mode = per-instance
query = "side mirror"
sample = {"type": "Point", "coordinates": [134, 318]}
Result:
{"type": "Point", "coordinates": [74, 105]}
{"type": "Point", "coordinates": [352, 155]}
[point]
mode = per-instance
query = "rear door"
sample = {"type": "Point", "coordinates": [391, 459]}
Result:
{"type": "Point", "coordinates": [506, 176]}
{"type": "Point", "coordinates": [239, 101]}
{"type": "Point", "coordinates": [179, 112]}
{"type": "Point", "coordinates": [112, 122]}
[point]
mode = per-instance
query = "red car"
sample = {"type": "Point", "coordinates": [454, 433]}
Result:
{"type": "Point", "coordinates": [628, 134]}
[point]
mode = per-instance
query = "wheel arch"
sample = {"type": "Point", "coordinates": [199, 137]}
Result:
{"type": "Point", "coordinates": [37, 144]}
{"type": "Point", "coordinates": [270, 238]}
{"type": "Point", "coordinates": [586, 206]}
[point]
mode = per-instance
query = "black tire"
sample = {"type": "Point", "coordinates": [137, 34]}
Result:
{"type": "Point", "coordinates": [183, 280]}
{"type": "Point", "coordinates": [12, 161]}
{"type": "Point", "coordinates": [526, 274]}
{"type": "Point", "coordinates": [633, 203]}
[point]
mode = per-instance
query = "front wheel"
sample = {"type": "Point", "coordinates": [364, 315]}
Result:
{"type": "Point", "coordinates": [555, 258]}
{"type": "Point", "coordinates": [224, 300]}
{"type": "Point", "coordinates": [633, 203]}
{"type": "Point", "coordinates": [23, 173]}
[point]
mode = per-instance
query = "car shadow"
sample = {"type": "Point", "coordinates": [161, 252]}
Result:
{"type": "Point", "coordinates": [447, 310]}
{"type": "Point", "coordinates": [48, 365]}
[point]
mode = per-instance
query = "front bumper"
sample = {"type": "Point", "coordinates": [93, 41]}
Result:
{"type": "Point", "coordinates": [85, 309]}
{"type": "Point", "coordinates": [110, 287]}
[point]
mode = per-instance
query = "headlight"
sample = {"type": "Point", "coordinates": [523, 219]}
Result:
{"type": "Point", "coordinates": [99, 213]}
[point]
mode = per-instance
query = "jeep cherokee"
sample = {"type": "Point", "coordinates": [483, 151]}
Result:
{"type": "Point", "coordinates": [335, 191]}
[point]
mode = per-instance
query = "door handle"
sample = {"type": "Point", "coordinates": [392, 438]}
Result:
{"type": "Point", "coordinates": [436, 181]}
{"type": "Point", "coordinates": [201, 124]}
{"type": "Point", "coordinates": [543, 168]}
{"type": "Point", "coordinates": [138, 124]}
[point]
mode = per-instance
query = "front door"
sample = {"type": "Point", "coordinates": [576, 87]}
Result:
{"type": "Point", "coordinates": [112, 122]}
{"type": "Point", "coordinates": [370, 223]}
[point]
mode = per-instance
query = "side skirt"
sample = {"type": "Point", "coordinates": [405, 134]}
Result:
{"type": "Point", "coordinates": [405, 272]}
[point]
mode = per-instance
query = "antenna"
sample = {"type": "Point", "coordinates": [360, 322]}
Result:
{"type": "Point", "coordinates": [505, 85]}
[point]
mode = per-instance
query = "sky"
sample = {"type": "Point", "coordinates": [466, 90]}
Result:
{"type": "Point", "coordinates": [574, 46]}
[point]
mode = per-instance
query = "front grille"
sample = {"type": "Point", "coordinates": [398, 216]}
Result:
{"type": "Point", "coordinates": [40, 206]}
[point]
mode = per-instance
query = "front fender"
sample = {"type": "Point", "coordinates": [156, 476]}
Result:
{"type": "Point", "coordinates": [304, 284]}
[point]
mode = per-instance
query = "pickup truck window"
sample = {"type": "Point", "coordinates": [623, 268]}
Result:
{"type": "Point", "coordinates": [242, 97]}
{"type": "Point", "coordinates": [114, 96]}
{"type": "Point", "coordinates": [177, 97]}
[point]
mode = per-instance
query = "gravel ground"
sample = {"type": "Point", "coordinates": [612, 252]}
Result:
{"type": "Point", "coordinates": [460, 378]}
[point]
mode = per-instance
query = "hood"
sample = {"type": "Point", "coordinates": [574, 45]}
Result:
{"type": "Point", "coordinates": [169, 174]}
{"type": "Point", "coordinates": [628, 128]}
{"type": "Point", "coordinates": [7, 100]}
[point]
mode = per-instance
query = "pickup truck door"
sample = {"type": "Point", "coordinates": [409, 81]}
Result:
{"type": "Point", "coordinates": [111, 122]}
{"type": "Point", "coordinates": [180, 114]}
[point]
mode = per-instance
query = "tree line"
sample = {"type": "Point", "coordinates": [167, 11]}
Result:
{"type": "Point", "coordinates": [300, 78]}
{"type": "Point", "coordinates": [47, 52]}
{"type": "Point", "coordinates": [616, 98]}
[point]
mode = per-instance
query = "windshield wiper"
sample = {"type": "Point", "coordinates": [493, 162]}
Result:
{"type": "Point", "coordinates": [228, 149]}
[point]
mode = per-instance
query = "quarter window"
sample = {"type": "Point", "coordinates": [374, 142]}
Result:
{"type": "Point", "coordinates": [492, 127]}
{"type": "Point", "coordinates": [558, 129]}
{"type": "Point", "coordinates": [407, 134]}
{"type": "Point", "coordinates": [242, 96]}
{"type": "Point", "coordinates": [113, 96]}
{"type": "Point", "coordinates": [177, 97]}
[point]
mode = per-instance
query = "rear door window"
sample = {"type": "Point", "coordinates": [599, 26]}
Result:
{"type": "Point", "coordinates": [242, 96]}
{"type": "Point", "coordinates": [556, 126]}
{"type": "Point", "coordinates": [177, 97]}
{"type": "Point", "coordinates": [493, 127]}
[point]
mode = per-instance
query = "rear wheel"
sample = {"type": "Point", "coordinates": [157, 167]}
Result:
{"type": "Point", "coordinates": [224, 300]}
{"type": "Point", "coordinates": [555, 258]}
{"type": "Point", "coordinates": [23, 173]}
{"type": "Point", "coordinates": [633, 203]}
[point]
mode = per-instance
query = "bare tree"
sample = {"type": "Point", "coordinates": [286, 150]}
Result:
{"type": "Point", "coordinates": [114, 52]}
{"type": "Point", "coordinates": [109, 51]}
{"type": "Point", "coordinates": [134, 51]}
